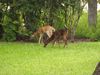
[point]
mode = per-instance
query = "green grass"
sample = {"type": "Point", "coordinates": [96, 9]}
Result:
{"type": "Point", "coordinates": [33, 59]}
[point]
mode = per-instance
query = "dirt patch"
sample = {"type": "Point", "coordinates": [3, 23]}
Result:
{"type": "Point", "coordinates": [97, 69]}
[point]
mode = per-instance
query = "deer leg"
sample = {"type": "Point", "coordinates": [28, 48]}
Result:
{"type": "Point", "coordinates": [45, 44]}
{"type": "Point", "coordinates": [59, 42]}
{"type": "Point", "coordinates": [40, 38]}
{"type": "Point", "coordinates": [54, 42]}
{"type": "Point", "coordinates": [52, 38]}
{"type": "Point", "coordinates": [48, 34]}
{"type": "Point", "coordinates": [65, 41]}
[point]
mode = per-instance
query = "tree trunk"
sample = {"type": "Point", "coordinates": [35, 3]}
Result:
{"type": "Point", "coordinates": [1, 31]}
{"type": "Point", "coordinates": [92, 13]}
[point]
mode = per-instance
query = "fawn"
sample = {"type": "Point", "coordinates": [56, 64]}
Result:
{"type": "Point", "coordinates": [46, 29]}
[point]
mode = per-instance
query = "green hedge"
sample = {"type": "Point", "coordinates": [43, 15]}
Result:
{"type": "Point", "coordinates": [84, 31]}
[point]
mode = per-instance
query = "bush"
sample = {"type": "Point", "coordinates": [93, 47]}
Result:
{"type": "Point", "coordinates": [9, 29]}
{"type": "Point", "coordinates": [83, 30]}
{"type": "Point", "coordinates": [9, 32]}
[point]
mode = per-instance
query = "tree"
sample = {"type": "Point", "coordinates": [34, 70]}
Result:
{"type": "Point", "coordinates": [92, 13]}
{"type": "Point", "coordinates": [73, 11]}
{"type": "Point", "coordinates": [33, 13]}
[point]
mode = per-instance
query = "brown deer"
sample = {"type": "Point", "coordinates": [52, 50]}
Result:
{"type": "Point", "coordinates": [58, 35]}
{"type": "Point", "coordinates": [46, 29]}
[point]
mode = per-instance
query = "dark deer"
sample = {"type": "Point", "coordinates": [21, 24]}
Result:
{"type": "Point", "coordinates": [58, 35]}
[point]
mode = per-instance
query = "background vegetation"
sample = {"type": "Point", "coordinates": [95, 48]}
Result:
{"type": "Point", "coordinates": [83, 30]}
{"type": "Point", "coordinates": [19, 18]}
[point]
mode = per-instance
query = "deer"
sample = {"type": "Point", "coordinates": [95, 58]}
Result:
{"type": "Point", "coordinates": [46, 29]}
{"type": "Point", "coordinates": [57, 36]}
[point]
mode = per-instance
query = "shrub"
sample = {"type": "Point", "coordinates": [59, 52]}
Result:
{"type": "Point", "coordinates": [84, 31]}
{"type": "Point", "coordinates": [9, 29]}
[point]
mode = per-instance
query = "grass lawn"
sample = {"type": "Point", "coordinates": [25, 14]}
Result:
{"type": "Point", "coordinates": [33, 59]}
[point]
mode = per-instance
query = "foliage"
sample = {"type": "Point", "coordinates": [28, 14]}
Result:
{"type": "Point", "coordinates": [25, 16]}
{"type": "Point", "coordinates": [83, 30]}
{"type": "Point", "coordinates": [9, 28]}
